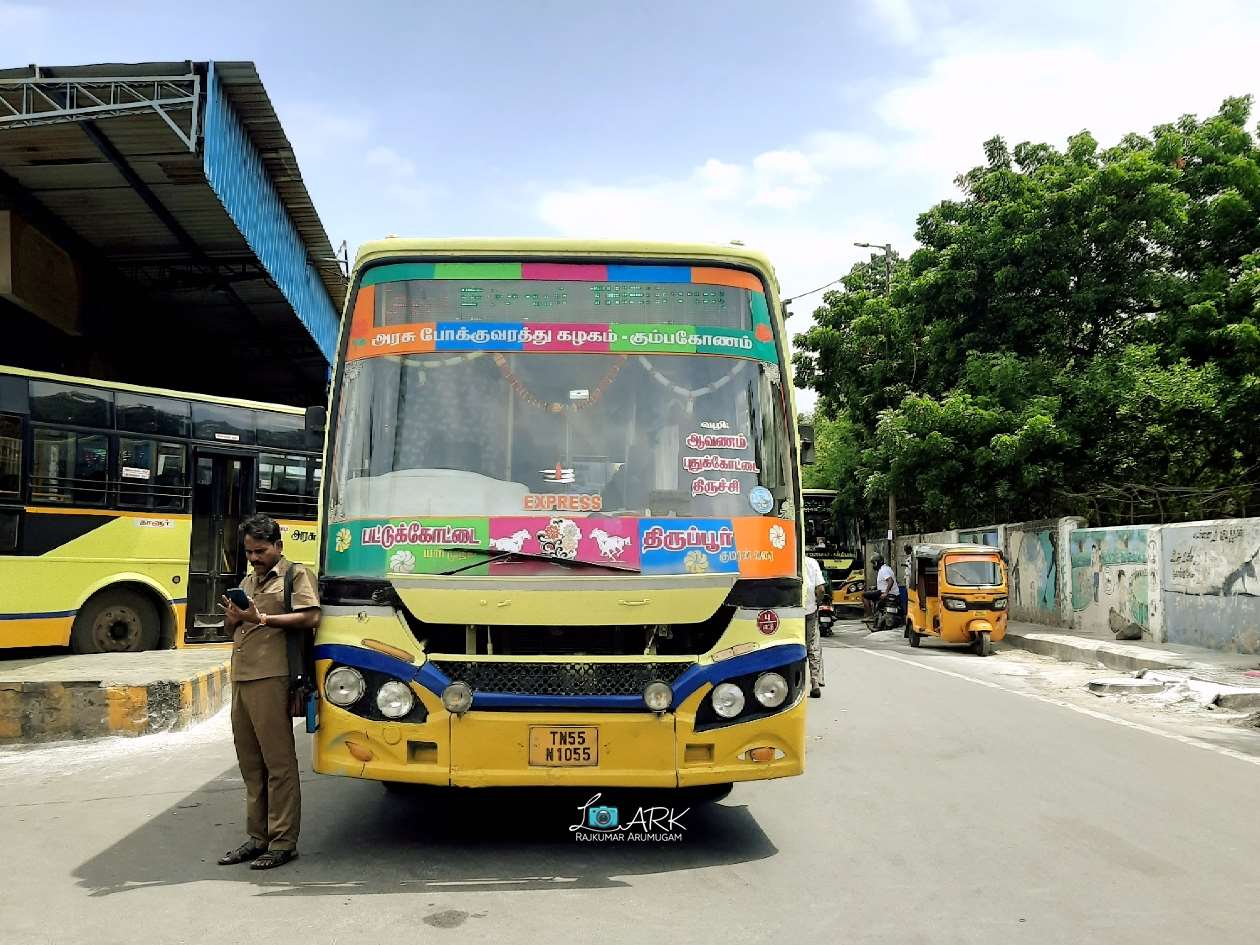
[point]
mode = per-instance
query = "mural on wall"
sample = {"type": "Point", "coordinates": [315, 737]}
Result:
{"type": "Point", "coordinates": [1211, 584]}
{"type": "Point", "coordinates": [1033, 557]}
{"type": "Point", "coordinates": [1110, 580]}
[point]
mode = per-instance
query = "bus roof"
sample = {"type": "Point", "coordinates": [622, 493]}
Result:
{"type": "Point", "coordinates": [152, 391]}
{"type": "Point", "coordinates": [519, 246]}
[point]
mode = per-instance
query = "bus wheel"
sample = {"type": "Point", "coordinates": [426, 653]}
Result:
{"type": "Point", "coordinates": [116, 621]}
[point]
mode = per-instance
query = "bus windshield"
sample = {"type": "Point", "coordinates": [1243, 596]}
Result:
{"type": "Point", "coordinates": [516, 388]}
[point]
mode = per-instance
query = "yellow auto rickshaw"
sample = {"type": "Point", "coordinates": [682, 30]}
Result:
{"type": "Point", "coordinates": [959, 594]}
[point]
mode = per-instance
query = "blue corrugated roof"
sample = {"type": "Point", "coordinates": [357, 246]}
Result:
{"type": "Point", "coordinates": [235, 170]}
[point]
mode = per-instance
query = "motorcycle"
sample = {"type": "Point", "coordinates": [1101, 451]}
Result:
{"type": "Point", "coordinates": [888, 615]}
{"type": "Point", "coordinates": [826, 619]}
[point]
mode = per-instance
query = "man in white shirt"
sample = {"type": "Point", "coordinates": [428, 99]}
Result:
{"type": "Point", "coordinates": [885, 584]}
{"type": "Point", "coordinates": [814, 590]}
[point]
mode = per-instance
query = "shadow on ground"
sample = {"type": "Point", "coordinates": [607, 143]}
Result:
{"type": "Point", "coordinates": [358, 839]}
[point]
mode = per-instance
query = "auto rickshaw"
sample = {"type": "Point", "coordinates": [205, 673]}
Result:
{"type": "Point", "coordinates": [959, 594]}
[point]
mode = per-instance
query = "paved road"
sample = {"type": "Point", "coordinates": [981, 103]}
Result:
{"type": "Point", "coordinates": [948, 799]}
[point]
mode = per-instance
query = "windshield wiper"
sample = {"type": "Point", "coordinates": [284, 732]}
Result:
{"type": "Point", "coordinates": [495, 555]}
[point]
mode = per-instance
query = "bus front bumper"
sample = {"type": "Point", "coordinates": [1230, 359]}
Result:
{"type": "Point", "coordinates": [492, 748]}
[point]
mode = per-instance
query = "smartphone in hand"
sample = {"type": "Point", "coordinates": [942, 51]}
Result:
{"type": "Point", "coordinates": [237, 597]}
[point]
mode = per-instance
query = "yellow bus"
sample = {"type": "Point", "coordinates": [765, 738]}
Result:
{"type": "Point", "coordinates": [119, 506]}
{"type": "Point", "coordinates": [561, 519]}
{"type": "Point", "coordinates": [835, 545]}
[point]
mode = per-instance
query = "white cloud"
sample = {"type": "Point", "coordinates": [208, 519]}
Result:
{"type": "Point", "coordinates": [721, 181]}
{"type": "Point", "coordinates": [792, 166]}
{"type": "Point", "coordinates": [838, 150]}
{"type": "Point", "coordinates": [713, 197]}
{"type": "Point", "coordinates": [899, 18]}
{"type": "Point", "coordinates": [344, 169]}
{"type": "Point", "coordinates": [1116, 75]}
{"type": "Point", "coordinates": [1112, 68]}
{"type": "Point", "coordinates": [780, 197]}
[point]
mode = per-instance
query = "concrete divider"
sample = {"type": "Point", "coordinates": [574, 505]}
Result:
{"type": "Point", "coordinates": [65, 697]}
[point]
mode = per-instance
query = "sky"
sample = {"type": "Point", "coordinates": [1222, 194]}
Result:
{"type": "Point", "coordinates": [797, 128]}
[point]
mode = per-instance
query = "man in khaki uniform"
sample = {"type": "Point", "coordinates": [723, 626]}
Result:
{"type": "Point", "coordinates": [262, 726]}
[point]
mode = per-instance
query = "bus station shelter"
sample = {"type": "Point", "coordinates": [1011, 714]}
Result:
{"type": "Point", "coordinates": [155, 229]}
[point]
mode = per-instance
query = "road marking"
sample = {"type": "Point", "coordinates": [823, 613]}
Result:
{"type": "Point", "coordinates": [493, 882]}
{"type": "Point", "coordinates": [1093, 714]}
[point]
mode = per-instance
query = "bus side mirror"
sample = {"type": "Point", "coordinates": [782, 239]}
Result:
{"type": "Point", "coordinates": [316, 420]}
{"type": "Point", "coordinates": [807, 444]}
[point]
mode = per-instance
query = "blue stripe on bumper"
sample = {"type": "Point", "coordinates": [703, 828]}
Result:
{"type": "Point", "coordinates": [435, 680]}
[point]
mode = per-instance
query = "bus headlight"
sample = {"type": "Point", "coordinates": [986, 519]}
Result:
{"type": "Point", "coordinates": [457, 697]}
{"type": "Point", "coordinates": [728, 700]}
{"type": "Point", "coordinates": [770, 689]}
{"type": "Point", "coordinates": [954, 603]}
{"type": "Point", "coordinates": [657, 696]}
{"type": "Point", "coordinates": [395, 699]}
{"type": "Point", "coordinates": [344, 686]}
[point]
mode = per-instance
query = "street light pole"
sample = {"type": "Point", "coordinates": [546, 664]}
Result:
{"type": "Point", "coordinates": [892, 499]}
{"type": "Point", "coordinates": [887, 249]}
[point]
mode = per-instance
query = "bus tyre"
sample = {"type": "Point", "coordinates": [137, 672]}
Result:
{"type": "Point", "coordinates": [116, 621]}
{"type": "Point", "coordinates": [984, 646]}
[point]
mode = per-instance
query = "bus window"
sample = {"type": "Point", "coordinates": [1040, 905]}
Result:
{"type": "Point", "coordinates": [160, 416]}
{"type": "Point", "coordinates": [284, 490]}
{"type": "Point", "coordinates": [10, 457]}
{"type": "Point", "coordinates": [76, 406]}
{"type": "Point", "coordinates": [151, 475]}
{"type": "Point", "coordinates": [170, 482]}
{"type": "Point", "coordinates": [69, 468]}
{"type": "Point", "coordinates": [281, 431]}
{"type": "Point", "coordinates": [223, 424]}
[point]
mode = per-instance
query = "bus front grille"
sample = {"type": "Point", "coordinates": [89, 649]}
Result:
{"type": "Point", "coordinates": [560, 679]}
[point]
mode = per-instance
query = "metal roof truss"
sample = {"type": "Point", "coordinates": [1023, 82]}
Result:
{"type": "Point", "coordinates": [27, 102]}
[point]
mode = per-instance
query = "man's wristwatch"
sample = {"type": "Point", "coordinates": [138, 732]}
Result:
{"type": "Point", "coordinates": [262, 620]}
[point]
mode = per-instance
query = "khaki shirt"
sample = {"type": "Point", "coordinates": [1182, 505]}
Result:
{"type": "Point", "coordinates": [260, 652]}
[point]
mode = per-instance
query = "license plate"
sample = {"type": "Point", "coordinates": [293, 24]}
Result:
{"type": "Point", "coordinates": [563, 746]}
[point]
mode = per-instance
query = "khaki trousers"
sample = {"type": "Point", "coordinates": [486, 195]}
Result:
{"type": "Point", "coordinates": [263, 732]}
{"type": "Point", "coordinates": [813, 649]}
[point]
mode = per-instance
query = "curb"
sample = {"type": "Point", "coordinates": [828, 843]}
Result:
{"type": "Point", "coordinates": [1239, 700]}
{"type": "Point", "coordinates": [53, 711]}
{"type": "Point", "coordinates": [1117, 656]}
{"type": "Point", "coordinates": [1111, 655]}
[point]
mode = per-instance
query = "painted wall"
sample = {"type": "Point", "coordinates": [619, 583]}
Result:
{"type": "Point", "coordinates": [1110, 579]}
{"type": "Point", "coordinates": [1209, 584]}
{"type": "Point", "coordinates": [1040, 570]}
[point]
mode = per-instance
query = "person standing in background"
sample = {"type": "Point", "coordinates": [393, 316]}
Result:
{"type": "Point", "coordinates": [907, 560]}
{"type": "Point", "coordinates": [814, 591]}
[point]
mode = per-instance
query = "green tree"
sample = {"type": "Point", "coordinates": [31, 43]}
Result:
{"type": "Point", "coordinates": [1079, 332]}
